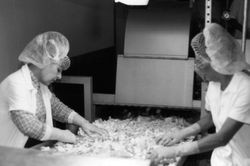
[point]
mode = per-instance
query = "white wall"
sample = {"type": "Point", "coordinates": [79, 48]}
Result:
{"type": "Point", "coordinates": [88, 25]}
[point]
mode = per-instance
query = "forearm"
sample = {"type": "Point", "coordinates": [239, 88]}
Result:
{"type": "Point", "coordinates": [60, 111]}
{"type": "Point", "coordinates": [229, 128]}
{"type": "Point", "coordinates": [79, 120]}
{"type": "Point", "coordinates": [28, 124]}
{"type": "Point", "coordinates": [206, 122]}
{"type": "Point", "coordinates": [188, 148]}
{"type": "Point", "coordinates": [210, 142]}
{"type": "Point", "coordinates": [194, 129]}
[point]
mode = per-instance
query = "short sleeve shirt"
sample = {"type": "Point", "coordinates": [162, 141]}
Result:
{"type": "Point", "coordinates": [234, 103]}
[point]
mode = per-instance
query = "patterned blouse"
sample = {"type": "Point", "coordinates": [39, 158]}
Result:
{"type": "Point", "coordinates": [34, 126]}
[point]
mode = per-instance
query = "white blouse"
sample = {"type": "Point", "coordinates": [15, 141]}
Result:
{"type": "Point", "coordinates": [233, 102]}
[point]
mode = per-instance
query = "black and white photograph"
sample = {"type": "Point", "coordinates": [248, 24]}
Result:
{"type": "Point", "coordinates": [124, 83]}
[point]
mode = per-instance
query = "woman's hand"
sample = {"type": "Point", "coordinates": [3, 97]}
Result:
{"type": "Point", "coordinates": [184, 149]}
{"type": "Point", "coordinates": [90, 129]}
{"type": "Point", "coordinates": [161, 153]}
{"type": "Point", "coordinates": [87, 127]}
{"type": "Point", "coordinates": [68, 136]}
{"type": "Point", "coordinates": [169, 139]}
{"type": "Point", "coordinates": [63, 135]}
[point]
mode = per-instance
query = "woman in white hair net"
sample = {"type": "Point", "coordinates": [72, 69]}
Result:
{"type": "Point", "coordinates": [27, 106]}
{"type": "Point", "coordinates": [220, 61]}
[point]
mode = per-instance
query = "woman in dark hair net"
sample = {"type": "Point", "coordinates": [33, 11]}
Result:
{"type": "Point", "coordinates": [220, 61]}
{"type": "Point", "coordinates": [27, 106]}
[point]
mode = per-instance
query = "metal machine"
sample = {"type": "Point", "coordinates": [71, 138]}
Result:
{"type": "Point", "coordinates": [154, 69]}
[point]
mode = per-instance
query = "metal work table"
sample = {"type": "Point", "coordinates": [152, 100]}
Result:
{"type": "Point", "coordinates": [180, 161]}
{"type": "Point", "coordinates": [32, 157]}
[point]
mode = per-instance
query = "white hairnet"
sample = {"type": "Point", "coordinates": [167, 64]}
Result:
{"type": "Point", "coordinates": [198, 45]}
{"type": "Point", "coordinates": [223, 50]}
{"type": "Point", "coordinates": [46, 48]}
{"type": "Point", "coordinates": [201, 58]}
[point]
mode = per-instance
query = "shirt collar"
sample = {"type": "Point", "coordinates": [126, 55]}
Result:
{"type": "Point", "coordinates": [233, 85]}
